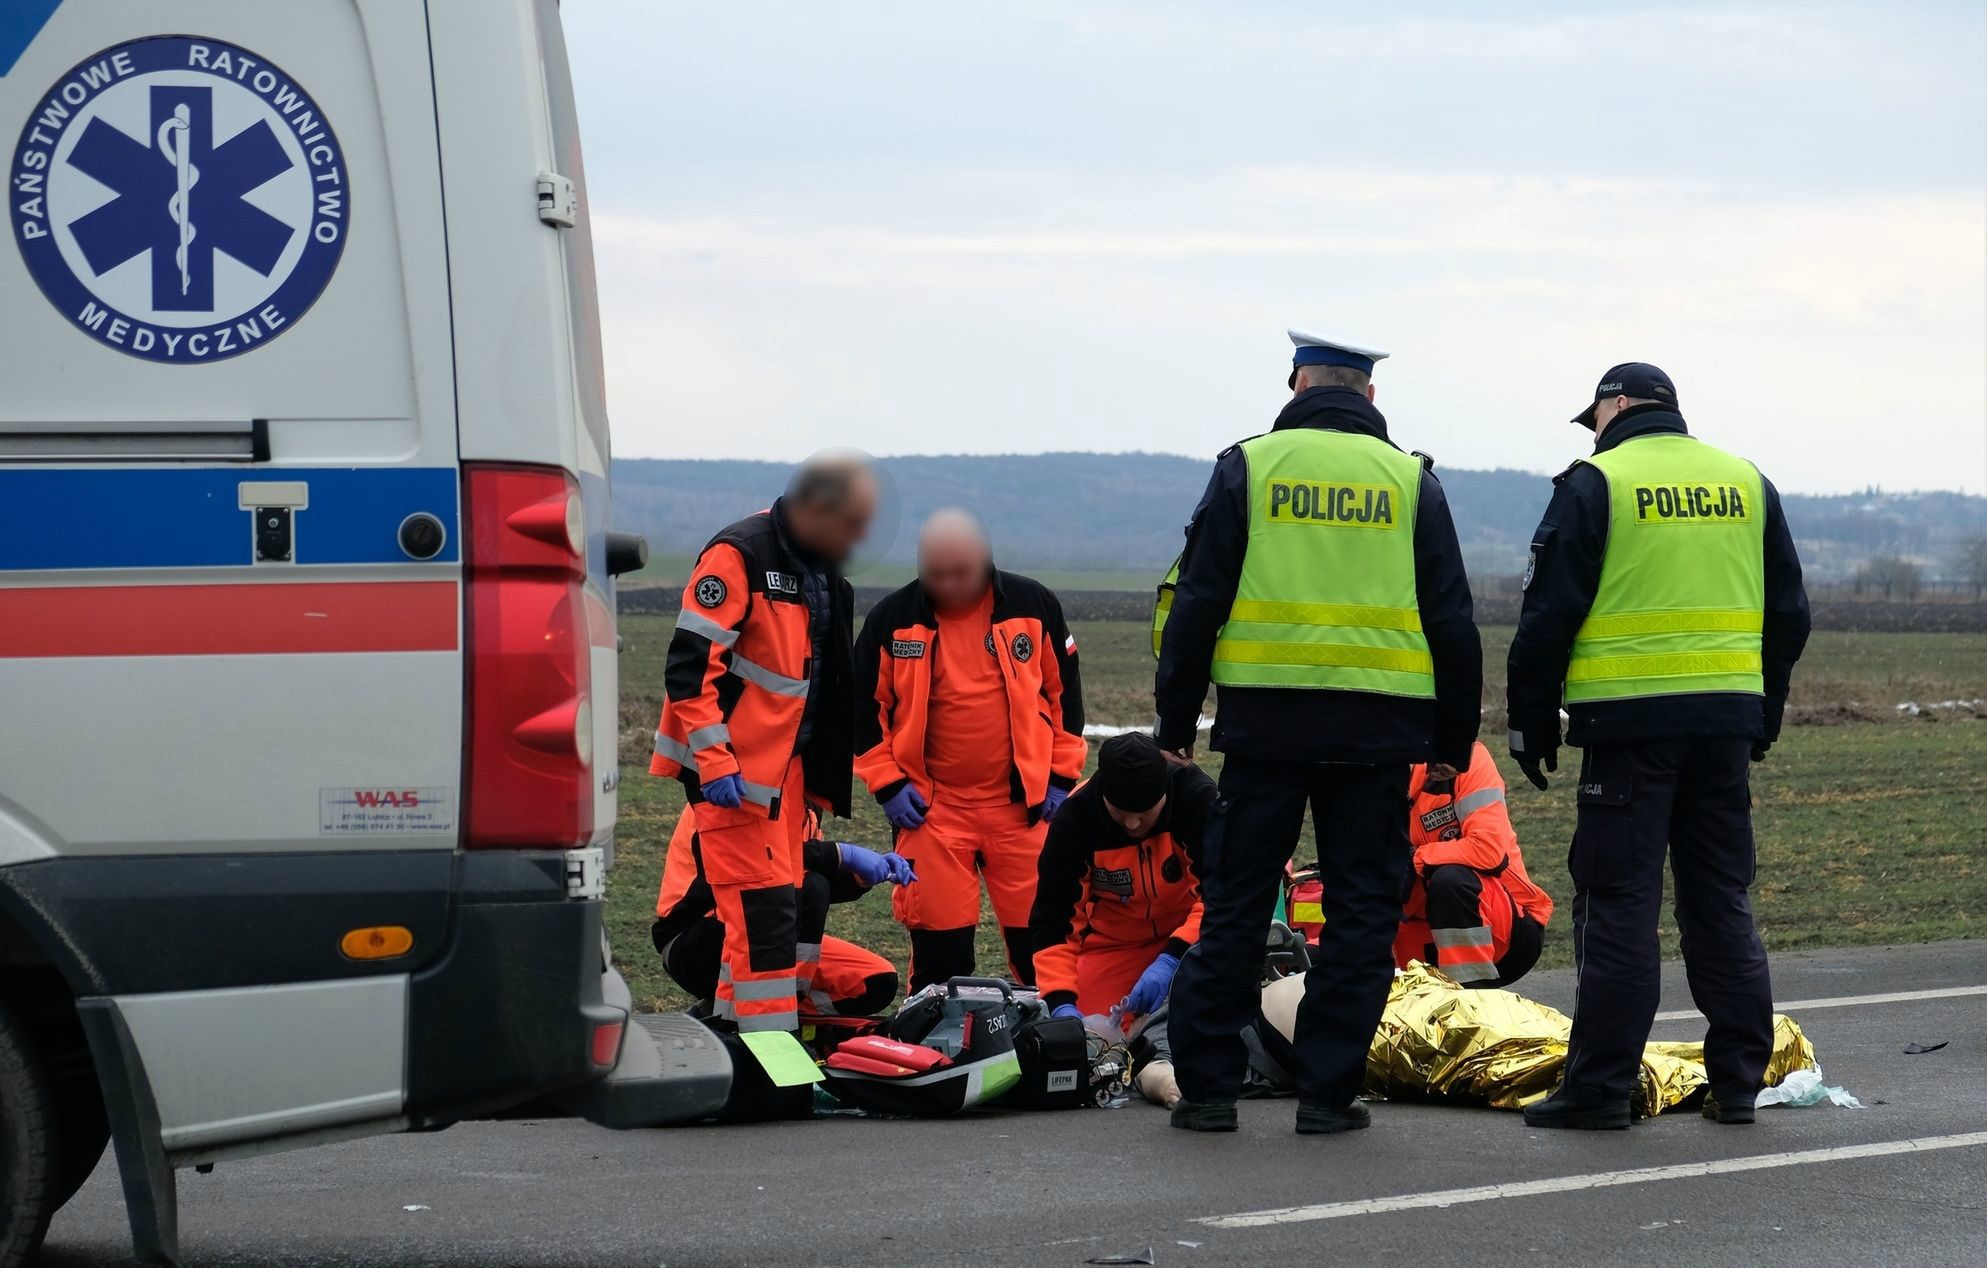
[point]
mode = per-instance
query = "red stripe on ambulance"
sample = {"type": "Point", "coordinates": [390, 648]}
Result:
{"type": "Point", "coordinates": [230, 620]}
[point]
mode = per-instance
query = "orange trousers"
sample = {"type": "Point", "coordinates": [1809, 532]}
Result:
{"type": "Point", "coordinates": [754, 866]}
{"type": "Point", "coordinates": [957, 848]}
{"type": "Point", "coordinates": [1106, 971]}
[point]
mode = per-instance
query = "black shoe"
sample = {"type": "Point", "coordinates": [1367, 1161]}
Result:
{"type": "Point", "coordinates": [1572, 1109]}
{"type": "Point", "coordinates": [1216, 1116]}
{"type": "Point", "coordinates": [1321, 1120]}
{"type": "Point", "coordinates": [1736, 1111]}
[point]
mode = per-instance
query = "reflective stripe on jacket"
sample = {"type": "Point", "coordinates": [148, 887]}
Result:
{"type": "Point", "coordinates": [1469, 824]}
{"type": "Point", "coordinates": [1037, 656]}
{"type": "Point", "coordinates": [741, 671]}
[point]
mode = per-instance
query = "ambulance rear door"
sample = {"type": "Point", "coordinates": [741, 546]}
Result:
{"type": "Point", "coordinates": [230, 584]}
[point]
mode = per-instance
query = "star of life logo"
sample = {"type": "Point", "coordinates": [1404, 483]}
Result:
{"type": "Point", "coordinates": [179, 199]}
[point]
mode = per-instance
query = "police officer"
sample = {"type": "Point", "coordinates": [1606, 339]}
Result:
{"type": "Point", "coordinates": [1663, 592]}
{"type": "Point", "coordinates": [1323, 592]}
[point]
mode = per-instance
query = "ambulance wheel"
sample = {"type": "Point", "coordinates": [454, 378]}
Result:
{"type": "Point", "coordinates": [28, 1170]}
{"type": "Point", "coordinates": [81, 1126]}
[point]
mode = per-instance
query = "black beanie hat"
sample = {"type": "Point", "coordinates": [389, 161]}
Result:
{"type": "Point", "coordinates": [1131, 772]}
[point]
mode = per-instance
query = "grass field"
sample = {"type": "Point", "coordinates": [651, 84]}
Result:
{"type": "Point", "coordinates": [1869, 831]}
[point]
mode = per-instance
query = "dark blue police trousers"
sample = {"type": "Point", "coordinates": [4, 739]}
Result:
{"type": "Point", "coordinates": [1360, 814]}
{"type": "Point", "coordinates": [1691, 799]}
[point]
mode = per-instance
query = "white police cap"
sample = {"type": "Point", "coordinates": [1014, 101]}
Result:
{"type": "Point", "coordinates": [1313, 350]}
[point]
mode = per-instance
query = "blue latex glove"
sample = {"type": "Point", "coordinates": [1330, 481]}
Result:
{"type": "Point", "coordinates": [906, 810]}
{"type": "Point", "coordinates": [1066, 1010]}
{"type": "Point", "coordinates": [1052, 802]}
{"type": "Point", "coordinates": [873, 867]}
{"type": "Point", "coordinates": [728, 792]}
{"type": "Point", "coordinates": [1153, 984]}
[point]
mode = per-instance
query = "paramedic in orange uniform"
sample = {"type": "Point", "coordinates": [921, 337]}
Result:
{"type": "Point", "coordinates": [756, 721]}
{"type": "Point", "coordinates": [969, 732]}
{"type": "Point", "coordinates": [1118, 900]}
{"type": "Point", "coordinates": [850, 981]}
{"type": "Point", "coordinates": [1472, 911]}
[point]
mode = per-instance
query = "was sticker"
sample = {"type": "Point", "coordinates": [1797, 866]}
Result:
{"type": "Point", "coordinates": [384, 811]}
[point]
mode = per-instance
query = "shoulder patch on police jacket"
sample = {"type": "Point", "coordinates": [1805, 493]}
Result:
{"type": "Point", "coordinates": [1427, 460]}
{"type": "Point", "coordinates": [907, 648]}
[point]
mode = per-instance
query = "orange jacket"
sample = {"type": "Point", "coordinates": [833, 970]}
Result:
{"type": "Point", "coordinates": [1096, 887]}
{"type": "Point", "coordinates": [1469, 824]}
{"type": "Point", "coordinates": [742, 667]}
{"type": "Point", "coordinates": [1037, 655]}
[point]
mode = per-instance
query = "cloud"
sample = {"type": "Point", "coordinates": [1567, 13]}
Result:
{"type": "Point", "coordinates": [1048, 226]}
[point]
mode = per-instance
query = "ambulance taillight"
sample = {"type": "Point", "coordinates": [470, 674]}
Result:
{"type": "Point", "coordinates": [528, 771]}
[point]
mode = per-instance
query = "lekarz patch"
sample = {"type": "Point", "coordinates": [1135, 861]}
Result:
{"type": "Point", "coordinates": [907, 648]}
{"type": "Point", "coordinates": [782, 583]}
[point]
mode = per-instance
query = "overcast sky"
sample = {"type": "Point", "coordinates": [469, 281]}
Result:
{"type": "Point", "coordinates": [926, 227]}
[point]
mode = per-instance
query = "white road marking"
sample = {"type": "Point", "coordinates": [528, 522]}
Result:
{"type": "Point", "coordinates": [1598, 1180]}
{"type": "Point", "coordinates": [1843, 1001]}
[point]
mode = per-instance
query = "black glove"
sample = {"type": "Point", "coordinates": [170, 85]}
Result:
{"type": "Point", "coordinates": [1531, 762]}
{"type": "Point", "coordinates": [1759, 748]}
{"type": "Point", "coordinates": [1535, 747]}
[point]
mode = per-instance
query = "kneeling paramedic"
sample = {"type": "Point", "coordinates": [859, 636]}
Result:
{"type": "Point", "coordinates": [969, 733]}
{"type": "Point", "coordinates": [848, 980]}
{"type": "Point", "coordinates": [1473, 911]}
{"type": "Point", "coordinates": [1117, 899]}
{"type": "Point", "coordinates": [756, 721]}
{"type": "Point", "coordinates": [1664, 599]}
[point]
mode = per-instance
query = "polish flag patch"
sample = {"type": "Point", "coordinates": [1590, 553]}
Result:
{"type": "Point", "coordinates": [1069, 645]}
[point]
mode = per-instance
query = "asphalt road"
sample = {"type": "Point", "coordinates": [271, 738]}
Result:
{"type": "Point", "coordinates": [1065, 1188]}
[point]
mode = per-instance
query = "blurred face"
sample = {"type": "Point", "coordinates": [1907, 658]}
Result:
{"type": "Point", "coordinates": [833, 532]}
{"type": "Point", "coordinates": [1138, 825]}
{"type": "Point", "coordinates": [1604, 412]}
{"type": "Point", "coordinates": [953, 564]}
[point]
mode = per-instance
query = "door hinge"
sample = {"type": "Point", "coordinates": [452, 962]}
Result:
{"type": "Point", "coordinates": [586, 872]}
{"type": "Point", "coordinates": [558, 201]}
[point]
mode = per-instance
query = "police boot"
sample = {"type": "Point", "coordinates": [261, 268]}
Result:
{"type": "Point", "coordinates": [1322, 1120]}
{"type": "Point", "coordinates": [1215, 1116]}
{"type": "Point", "coordinates": [1586, 1111]}
{"type": "Point", "coordinates": [1737, 1111]}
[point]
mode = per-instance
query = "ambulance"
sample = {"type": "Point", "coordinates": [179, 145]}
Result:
{"type": "Point", "coordinates": [307, 636]}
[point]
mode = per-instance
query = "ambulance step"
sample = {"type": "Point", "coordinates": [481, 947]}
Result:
{"type": "Point", "coordinates": [672, 1070]}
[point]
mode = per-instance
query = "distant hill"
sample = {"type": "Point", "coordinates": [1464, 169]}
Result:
{"type": "Point", "coordinates": [1124, 512]}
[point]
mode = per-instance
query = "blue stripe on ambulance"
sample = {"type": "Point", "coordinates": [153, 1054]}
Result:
{"type": "Point", "coordinates": [190, 517]}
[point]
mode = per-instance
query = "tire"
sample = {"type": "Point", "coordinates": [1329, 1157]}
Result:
{"type": "Point", "coordinates": [81, 1128]}
{"type": "Point", "coordinates": [28, 1163]}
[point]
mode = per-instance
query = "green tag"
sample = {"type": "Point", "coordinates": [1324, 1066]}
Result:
{"type": "Point", "coordinates": [780, 1055]}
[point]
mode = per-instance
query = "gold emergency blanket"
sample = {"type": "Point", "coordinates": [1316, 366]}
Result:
{"type": "Point", "coordinates": [1438, 1041]}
